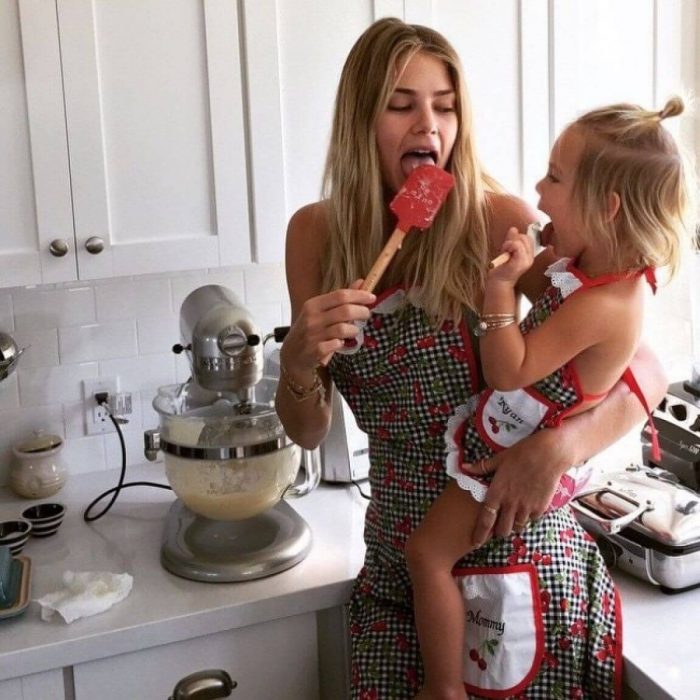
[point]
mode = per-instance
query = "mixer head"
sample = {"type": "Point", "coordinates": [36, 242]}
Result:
{"type": "Point", "coordinates": [226, 352]}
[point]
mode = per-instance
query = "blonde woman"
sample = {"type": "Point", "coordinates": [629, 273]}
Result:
{"type": "Point", "coordinates": [402, 102]}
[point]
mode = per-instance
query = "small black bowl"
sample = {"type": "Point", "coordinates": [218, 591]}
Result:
{"type": "Point", "coordinates": [45, 518]}
{"type": "Point", "coordinates": [15, 533]}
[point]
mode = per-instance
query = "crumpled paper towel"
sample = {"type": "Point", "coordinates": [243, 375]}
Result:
{"type": "Point", "coordinates": [85, 593]}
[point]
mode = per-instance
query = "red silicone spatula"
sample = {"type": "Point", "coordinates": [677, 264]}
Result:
{"type": "Point", "coordinates": [416, 205]}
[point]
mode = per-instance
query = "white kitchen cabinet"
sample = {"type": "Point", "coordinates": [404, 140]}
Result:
{"type": "Point", "coordinates": [276, 659]}
{"type": "Point", "coordinates": [300, 47]}
{"type": "Point", "coordinates": [127, 144]}
{"type": "Point", "coordinates": [35, 197]}
{"type": "Point", "coordinates": [47, 686]}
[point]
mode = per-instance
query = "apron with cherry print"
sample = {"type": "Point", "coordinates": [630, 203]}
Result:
{"type": "Point", "coordinates": [555, 610]}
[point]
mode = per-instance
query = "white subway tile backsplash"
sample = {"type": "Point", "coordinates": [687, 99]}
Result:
{"type": "Point", "coordinates": [74, 419]}
{"type": "Point", "coordinates": [41, 346]}
{"type": "Point", "coordinates": [9, 393]}
{"type": "Point", "coordinates": [18, 424]}
{"type": "Point", "coordinates": [134, 450]}
{"type": "Point", "coordinates": [141, 373]}
{"type": "Point", "coordinates": [265, 283]}
{"type": "Point", "coordinates": [99, 341]}
{"type": "Point", "coordinates": [229, 277]}
{"type": "Point", "coordinates": [53, 385]}
{"type": "Point", "coordinates": [157, 334]}
{"type": "Point", "coordinates": [183, 285]}
{"type": "Point", "coordinates": [132, 299]}
{"type": "Point", "coordinates": [85, 454]}
{"type": "Point", "coordinates": [46, 307]}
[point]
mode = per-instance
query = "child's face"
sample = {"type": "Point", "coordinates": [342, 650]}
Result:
{"type": "Point", "coordinates": [419, 125]}
{"type": "Point", "coordinates": [556, 196]}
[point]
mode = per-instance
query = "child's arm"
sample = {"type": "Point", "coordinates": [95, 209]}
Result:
{"type": "Point", "coordinates": [511, 360]}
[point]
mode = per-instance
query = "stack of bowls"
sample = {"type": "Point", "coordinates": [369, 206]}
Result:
{"type": "Point", "coordinates": [45, 518]}
{"type": "Point", "coordinates": [14, 534]}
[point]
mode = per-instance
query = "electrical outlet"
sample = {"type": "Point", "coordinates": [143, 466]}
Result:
{"type": "Point", "coordinates": [96, 417]}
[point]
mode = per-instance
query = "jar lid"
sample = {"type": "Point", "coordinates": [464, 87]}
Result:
{"type": "Point", "coordinates": [40, 442]}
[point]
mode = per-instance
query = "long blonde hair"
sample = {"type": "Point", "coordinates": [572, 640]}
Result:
{"type": "Point", "coordinates": [627, 150]}
{"type": "Point", "coordinates": [447, 260]}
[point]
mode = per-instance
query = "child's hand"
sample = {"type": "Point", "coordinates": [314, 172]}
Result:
{"type": "Point", "coordinates": [522, 254]}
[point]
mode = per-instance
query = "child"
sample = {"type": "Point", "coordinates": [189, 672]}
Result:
{"type": "Point", "coordinates": [616, 195]}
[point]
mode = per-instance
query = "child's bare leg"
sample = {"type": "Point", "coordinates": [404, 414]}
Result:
{"type": "Point", "coordinates": [444, 536]}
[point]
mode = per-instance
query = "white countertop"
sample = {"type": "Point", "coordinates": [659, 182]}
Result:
{"type": "Point", "coordinates": [661, 632]}
{"type": "Point", "coordinates": [161, 607]}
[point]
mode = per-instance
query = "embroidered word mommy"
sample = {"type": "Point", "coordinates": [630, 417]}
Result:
{"type": "Point", "coordinates": [475, 618]}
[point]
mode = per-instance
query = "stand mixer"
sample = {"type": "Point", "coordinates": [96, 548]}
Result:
{"type": "Point", "coordinates": [226, 455]}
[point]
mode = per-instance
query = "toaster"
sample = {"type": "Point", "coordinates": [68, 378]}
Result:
{"type": "Point", "coordinates": [646, 523]}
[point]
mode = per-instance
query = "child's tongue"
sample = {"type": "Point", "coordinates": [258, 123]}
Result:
{"type": "Point", "coordinates": [413, 160]}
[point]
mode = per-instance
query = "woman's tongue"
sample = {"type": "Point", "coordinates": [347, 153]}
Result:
{"type": "Point", "coordinates": [413, 160]}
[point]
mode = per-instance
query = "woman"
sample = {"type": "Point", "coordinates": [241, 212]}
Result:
{"type": "Point", "coordinates": [402, 102]}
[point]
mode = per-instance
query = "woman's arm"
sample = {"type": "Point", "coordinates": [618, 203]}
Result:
{"type": "Point", "coordinates": [320, 323]}
{"type": "Point", "coordinates": [527, 474]}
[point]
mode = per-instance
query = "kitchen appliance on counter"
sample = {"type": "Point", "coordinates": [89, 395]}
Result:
{"type": "Point", "coordinates": [677, 418]}
{"type": "Point", "coordinates": [647, 524]}
{"type": "Point", "coordinates": [226, 454]}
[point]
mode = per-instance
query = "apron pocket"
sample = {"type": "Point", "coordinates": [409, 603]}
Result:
{"type": "Point", "coordinates": [503, 629]}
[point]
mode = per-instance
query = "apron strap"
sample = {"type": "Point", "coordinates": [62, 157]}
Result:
{"type": "Point", "coordinates": [631, 381]}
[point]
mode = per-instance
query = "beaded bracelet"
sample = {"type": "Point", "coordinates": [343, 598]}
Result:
{"type": "Point", "coordinates": [301, 393]}
{"type": "Point", "coordinates": [489, 322]}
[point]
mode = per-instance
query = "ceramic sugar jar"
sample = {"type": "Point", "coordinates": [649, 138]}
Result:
{"type": "Point", "coordinates": [37, 470]}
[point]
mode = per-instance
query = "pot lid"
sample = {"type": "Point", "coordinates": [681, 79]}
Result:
{"type": "Point", "coordinates": [39, 442]}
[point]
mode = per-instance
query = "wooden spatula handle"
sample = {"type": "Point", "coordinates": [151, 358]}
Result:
{"type": "Point", "coordinates": [499, 260]}
{"type": "Point", "coordinates": [383, 260]}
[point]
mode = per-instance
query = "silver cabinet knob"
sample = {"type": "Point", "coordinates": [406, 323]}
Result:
{"type": "Point", "coordinates": [94, 245]}
{"type": "Point", "coordinates": [58, 247]}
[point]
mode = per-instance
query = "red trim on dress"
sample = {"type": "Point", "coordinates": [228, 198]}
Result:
{"type": "Point", "coordinates": [618, 645]}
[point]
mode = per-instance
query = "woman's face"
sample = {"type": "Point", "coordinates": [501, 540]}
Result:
{"type": "Point", "coordinates": [419, 125]}
{"type": "Point", "coordinates": [556, 196]}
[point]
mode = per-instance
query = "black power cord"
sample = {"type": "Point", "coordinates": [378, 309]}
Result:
{"type": "Point", "coordinates": [101, 399]}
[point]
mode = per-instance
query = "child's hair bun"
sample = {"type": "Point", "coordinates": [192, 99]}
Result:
{"type": "Point", "coordinates": [672, 108]}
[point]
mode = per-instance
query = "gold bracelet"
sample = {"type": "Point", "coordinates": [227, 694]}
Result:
{"type": "Point", "coordinates": [301, 393]}
{"type": "Point", "coordinates": [490, 322]}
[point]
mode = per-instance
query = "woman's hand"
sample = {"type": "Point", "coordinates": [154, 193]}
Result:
{"type": "Point", "coordinates": [323, 324]}
{"type": "Point", "coordinates": [525, 478]}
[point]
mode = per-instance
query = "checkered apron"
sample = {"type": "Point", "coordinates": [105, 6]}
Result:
{"type": "Point", "coordinates": [403, 383]}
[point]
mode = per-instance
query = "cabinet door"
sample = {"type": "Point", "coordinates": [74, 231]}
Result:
{"type": "Point", "coordinates": [48, 685]}
{"type": "Point", "coordinates": [271, 660]}
{"type": "Point", "coordinates": [156, 135]}
{"type": "Point", "coordinates": [35, 202]}
{"type": "Point", "coordinates": [299, 46]}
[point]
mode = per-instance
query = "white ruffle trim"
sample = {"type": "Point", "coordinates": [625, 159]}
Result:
{"type": "Point", "coordinates": [452, 460]}
{"type": "Point", "coordinates": [562, 279]}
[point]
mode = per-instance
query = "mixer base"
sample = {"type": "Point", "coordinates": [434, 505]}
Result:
{"type": "Point", "coordinates": [200, 549]}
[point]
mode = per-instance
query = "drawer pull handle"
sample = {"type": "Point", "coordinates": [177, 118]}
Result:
{"type": "Point", "coordinates": [204, 685]}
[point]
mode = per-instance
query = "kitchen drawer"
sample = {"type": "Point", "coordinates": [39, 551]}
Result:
{"type": "Point", "coordinates": [272, 660]}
